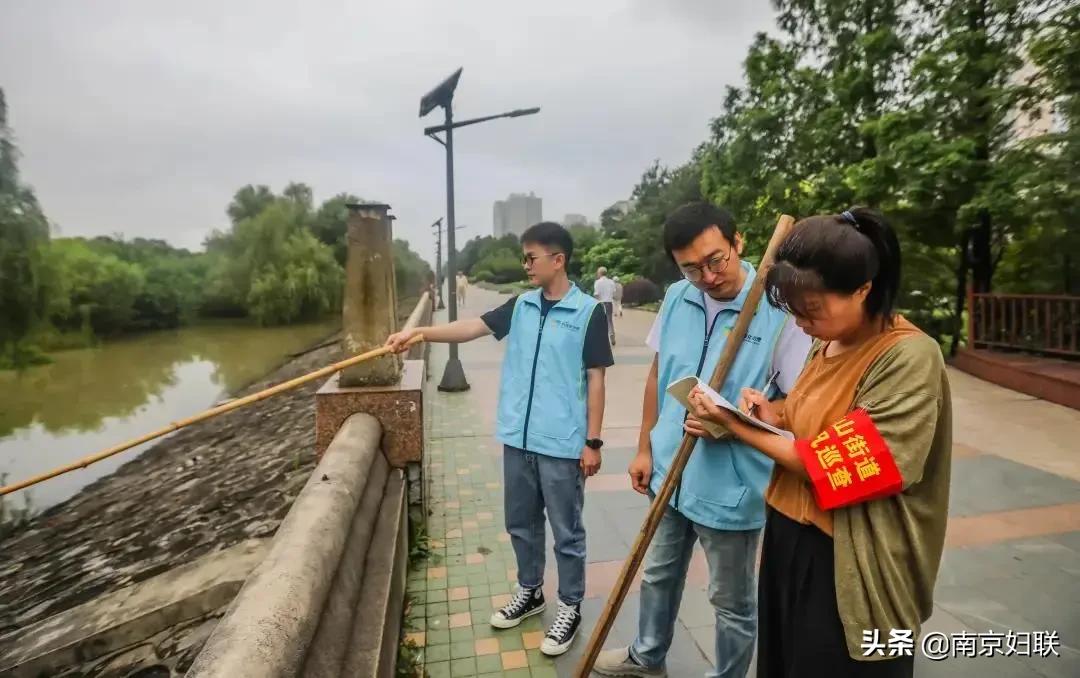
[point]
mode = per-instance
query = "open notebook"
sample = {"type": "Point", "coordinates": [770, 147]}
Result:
{"type": "Point", "coordinates": [680, 390]}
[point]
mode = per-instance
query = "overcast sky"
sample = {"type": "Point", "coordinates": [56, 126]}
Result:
{"type": "Point", "coordinates": [143, 118]}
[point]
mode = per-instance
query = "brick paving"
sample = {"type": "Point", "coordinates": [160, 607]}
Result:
{"type": "Point", "coordinates": [1012, 560]}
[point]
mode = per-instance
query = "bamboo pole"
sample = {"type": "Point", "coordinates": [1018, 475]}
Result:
{"type": "Point", "coordinates": [202, 416]}
{"type": "Point", "coordinates": [682, 456]}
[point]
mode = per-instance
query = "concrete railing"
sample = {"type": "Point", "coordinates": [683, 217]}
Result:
{"type": "Point", "coordinates": [327, 599]}
{"type": "Point", "coordinates": [420, 316]}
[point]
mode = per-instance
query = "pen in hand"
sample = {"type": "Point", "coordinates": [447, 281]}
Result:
{"type": "Point", "coordinates": [764, 392]}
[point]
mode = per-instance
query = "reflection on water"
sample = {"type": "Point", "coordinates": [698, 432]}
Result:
{"type": "Point", "coordinates": [90, 399]}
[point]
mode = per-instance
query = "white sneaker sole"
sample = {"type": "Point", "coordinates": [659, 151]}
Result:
{"type": "Point", "coordinates": [553, 650]}
{"type": "Point", "coordinates": [502, 623]}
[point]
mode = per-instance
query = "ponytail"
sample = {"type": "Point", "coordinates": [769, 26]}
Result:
{"type": "Point", "coordinates": [838, 253]}
{"type": "Point", "coordinates": [885, 284]}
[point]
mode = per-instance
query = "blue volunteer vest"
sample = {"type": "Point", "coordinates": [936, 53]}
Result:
{"type": "Point", "coordinates": [543, 393]}
{"type": "Point", "coordinates": [723, 485]}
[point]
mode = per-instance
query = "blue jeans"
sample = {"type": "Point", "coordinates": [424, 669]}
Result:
{"type": "Point", "coordinates": [732, 592]}
{"type": "Point", "coordinates": [535, 482]}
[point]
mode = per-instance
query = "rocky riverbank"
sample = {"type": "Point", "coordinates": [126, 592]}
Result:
{"type": "Point", "coordinates": [201, 490]}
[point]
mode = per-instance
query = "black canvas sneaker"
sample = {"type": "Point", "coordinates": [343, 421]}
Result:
{"type": "Point", "coordinates": [525, 603]}
{"type": "Point", "coordinates": [562, 631]}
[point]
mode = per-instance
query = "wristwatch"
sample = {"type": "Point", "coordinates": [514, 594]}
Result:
{"type": "Point", "coordinates": [594, 443]}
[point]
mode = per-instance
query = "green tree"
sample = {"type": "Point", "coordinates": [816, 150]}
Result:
{"type": "Point", "coordinates": [1043, 257]}
{"type": "Point", "coordinates": [584, 237]}
{"type": "Point", "coordinates": [500, 265]}
{"type": "Point", "coordinates": [97, 290]}
{"type": "Point", "coordinates": [614, 254]}
{"type": "Point", "coordinates": [957, 169]}
{"type": "Point", "coordinates": [299, 280]}
{"type": "Point", "coordinates": [249, 202]}
{"type": "Point", "coordinates": [490, 259]}
{"type": "Point", "coordinates": [330, 223]}
{"type": "Point", "coordinates": [24, 236]}
{"type": "Point", "coordinates": [300, 194]}
{"type": "Point", "coordinates": [410, 271]}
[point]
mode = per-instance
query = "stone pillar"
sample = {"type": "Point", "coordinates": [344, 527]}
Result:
{"type": "Point", "coordinates": [370, 311]}
{"type": "Point", "coordinates": [387, 388]}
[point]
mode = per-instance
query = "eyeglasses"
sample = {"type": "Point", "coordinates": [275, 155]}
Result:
{"type": "Point", "coordinates": [529, 259]}
{"type": "Point", "coordinates": [695, 272]}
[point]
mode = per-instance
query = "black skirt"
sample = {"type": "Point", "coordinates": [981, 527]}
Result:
{"type": "Point", "coordinates": [799, 628]}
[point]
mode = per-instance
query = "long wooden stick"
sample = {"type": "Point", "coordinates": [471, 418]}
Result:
{"type": "Point", "coordinates": [682, 456]}
{"type": "Point", "coordinates": [206, 414]}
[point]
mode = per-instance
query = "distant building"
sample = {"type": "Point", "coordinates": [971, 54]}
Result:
{"type": "Point", "coordinates": [575, 220]}
{"type": "Point", "coordinates": [1043, 118]}
{"type": "Point", "coordinates": [516, 213]}
{"type": "Point", "coordinates": [624, 206]}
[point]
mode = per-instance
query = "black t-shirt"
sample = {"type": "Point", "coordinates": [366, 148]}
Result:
{"type": "Point", "coordinates": [597, 350]}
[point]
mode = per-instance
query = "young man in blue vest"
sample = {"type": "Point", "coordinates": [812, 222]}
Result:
{"type": "Point", "coordinates": [721, 501]}
{"type": "Point", "coordinates": [551, 406]}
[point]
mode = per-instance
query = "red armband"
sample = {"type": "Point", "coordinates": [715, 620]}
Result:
{"type": "Point", "coordinates": [849, 463]}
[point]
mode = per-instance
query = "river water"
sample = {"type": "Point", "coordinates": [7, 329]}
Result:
{"type": "Point", "coordinates": [90, 399]}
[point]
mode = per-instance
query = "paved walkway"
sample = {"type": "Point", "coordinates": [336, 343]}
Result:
{"type": "Point", "coordinates": [1012, 562]}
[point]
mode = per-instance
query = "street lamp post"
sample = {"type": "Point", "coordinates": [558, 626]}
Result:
{"type": "Point", "coordinates": [438, 259]}
{"type": "Point", "coordinates": [438, 262]}
{"type": "Point", "coordinates": [453, 378]}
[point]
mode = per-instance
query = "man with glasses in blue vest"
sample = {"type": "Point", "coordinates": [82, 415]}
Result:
{"type": "Point", "coordinates": [551, 407]}
{"type": "Point", "coordinates": [721, 500]}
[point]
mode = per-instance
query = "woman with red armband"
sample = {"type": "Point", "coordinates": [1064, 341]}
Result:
{"type": "Point", "coordinates": [858, 502]}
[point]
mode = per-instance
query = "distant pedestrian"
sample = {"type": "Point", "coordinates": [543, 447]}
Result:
{"type": "Point", "coordinates": [462, 288]}
{"type": "Point", "coordinates": [618, 296]}
{"type": "Point", "coordinates": [604, 291]}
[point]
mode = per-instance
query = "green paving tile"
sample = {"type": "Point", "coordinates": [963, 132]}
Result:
{"type": "Point", "coordinates": [544, 672]}
{"type": "Point", "coordinates": [437, 653]}
{"type": "Point", "coordinates": [497, 588]}
{"type": "Point", "coordinates": [436, 584]}
{"type": "Point", "coordinates": [436, 623]}
{"type": "Point", "coordinates": [438, 670]}
{"type": "Point", "coordinates": [479, 592]}
{"type": "Point", "coordinates": [515, 673]}
{"type": "Point", "coordinates": [531, 624]}
{"type": "Point", "coordinates": [537, 658]}
{"type": "Point", "coordinates": [478, 579]}
{"type": "Point", "coordinates": [479, 604]}
{"type": "Point", "coordinates": [510, 640]}
{"type": "Point", "coordinates": [458, 581]}
{"type": "Point", "coordinates": [438, 610]}
{"type": "Point", "coordinates": [461, 633]}
{"type": "Point", "coordinates": [479, 617]}
{"type": "Point", "coordinates": [457, 606]}
{"type": "Point", "coordinates": [436, 596]}
{"type": "Point", "coordinates": [476, 568]}
{"type": "Point", "coordinates": [491, 663]}
{"type": "Point", "coordinates": [463, 667]}
{"type": "Point", "coordinates": [481, 631]}
{"type": "Point", "coordinates": [437, 637]}
{"type": "Point", "coordinates": [462, 649]}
